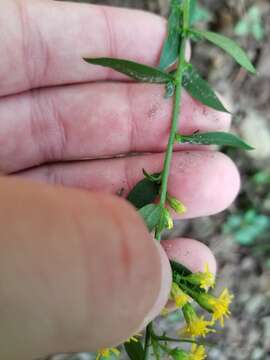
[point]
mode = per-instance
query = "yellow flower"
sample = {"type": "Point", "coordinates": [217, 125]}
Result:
{"type": "Point", "coordinates": [218, 307]}
{"type": "Point", "coordinates": [196, 326]}
{"type": "Point", "coordinates": [204, 279]}
{"type": "Point", "coordinates": [207, 279]}
{"type": "Point", "coordinates": [105, 353]}
{"type": "Point", "coordinates": [221, 306]}
{"type": "Point", "coordinates": [197, 353]}
{"type": "Point", "coordinates": [180, 298]}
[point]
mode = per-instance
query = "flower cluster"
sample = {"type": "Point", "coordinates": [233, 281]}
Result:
{"type": "Point", "coordinates": [187, 290]}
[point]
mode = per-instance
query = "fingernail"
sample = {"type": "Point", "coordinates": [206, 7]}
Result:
{"type": "Point", "coordinates": [165, 287]}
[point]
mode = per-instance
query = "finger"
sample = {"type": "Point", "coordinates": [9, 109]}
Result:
{"type": "Point", "coordinates": [44, 41]}
{"type": "Point", "coordinates": [193, 254]}
{"type": "Point", "coordinates": [206, 182]}
{"type": "Point", "coordinates": [91, 121]}
{"type": "Point", "coordinates": [69, 283]}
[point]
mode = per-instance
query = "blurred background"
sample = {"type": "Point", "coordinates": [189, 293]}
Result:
{"type": "Point", "coordinates": [239, 237]}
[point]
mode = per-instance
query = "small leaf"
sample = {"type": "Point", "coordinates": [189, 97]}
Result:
{"type": "Point", "coordinates": [144, 193]}
{"type": "Point", "coordinates": [151, 214]}
{"type": "Point", "coordinates": [172, 43]}
{"type": "Point", "coordinates": [252, 24]}
{"type": "Point", "coordinates": [139, 72]}
{"type": "Point", "coordinates": [214, 138]}
{"type": "Point", "coordinates": [199, 89]}
{"type": "Point", "coordinates": [229, 46]}
{"type": "Point", "coordinates": [200, 15]}
{"type": "Point", "coordinates": [134, 350]}
{"type": "Point", "coordinates": [152, 177]}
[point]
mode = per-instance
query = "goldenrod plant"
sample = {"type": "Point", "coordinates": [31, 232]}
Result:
{"type": "Point", "coordinates": [150, 196]}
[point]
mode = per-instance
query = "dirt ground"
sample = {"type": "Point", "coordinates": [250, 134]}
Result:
{"type": "Point", "coordinates": [243, 254]}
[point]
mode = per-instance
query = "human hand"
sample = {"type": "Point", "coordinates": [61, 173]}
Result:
{"type": "Point", "coordinates": [79, 271]}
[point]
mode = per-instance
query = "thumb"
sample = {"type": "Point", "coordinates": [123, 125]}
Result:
{"type": "Point", "coordinates": [78, 271]}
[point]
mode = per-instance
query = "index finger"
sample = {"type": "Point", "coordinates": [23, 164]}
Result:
{"type": "Point", "coordinates": [44, 41]}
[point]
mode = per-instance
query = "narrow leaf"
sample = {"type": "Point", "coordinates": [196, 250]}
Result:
{"type": "Point", "coordinates": [144, 193]}
{"type": "Point", "coordinates": [200, 89]}
{"type": "Point", "coordinates": [214, 138]}
{"type": "Point", "coordinates": [151, 215]}
{"type": "Point", "coordinates": [229, 46]}
{"type": "Point", "coordinates": [172, 43]}
{"type": "Point", "coordinates": [134, 350]}
{"type": "Point", "coordinates": [139, 72]}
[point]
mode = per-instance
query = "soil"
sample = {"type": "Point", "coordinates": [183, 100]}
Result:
{"type": "Point", "coordinates": [243, 269]}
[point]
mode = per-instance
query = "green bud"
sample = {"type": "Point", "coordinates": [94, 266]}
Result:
{"type": "Point", "coordinates": [203, 300]}
{"type": "Point", "coordinates": [166, 221]}
{"type": "Point", "coordinates": [176, 205]}
{"type": "Point", "coordinates": [179, 354]}
{"type": "Point", "coordinates": [189, 313]}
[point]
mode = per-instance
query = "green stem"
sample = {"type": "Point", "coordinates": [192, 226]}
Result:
{"type": "Point", "coordinates": [167, 339]}
{"type": "Point", "coordinates": [147, 342]}
{"type": "Point", "coordinates": [176, 111]}
{"type": "Point", "coordinates": [186, 20]}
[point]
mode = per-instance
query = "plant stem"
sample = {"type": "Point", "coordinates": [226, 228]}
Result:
{"type": "Point", "coordinates": [147, 342]}
{"type": "Point", "coordinates": [167, 339]}
{"type": "Point", "coordinates": [171, 141]}
{"type": "Point", "coordinates": [176, 110]}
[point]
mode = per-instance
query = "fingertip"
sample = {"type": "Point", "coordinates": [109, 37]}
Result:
{"type": "Point", "coordinates": [193, 254]}
{"type": "Point", "coordinates": [211, 181]}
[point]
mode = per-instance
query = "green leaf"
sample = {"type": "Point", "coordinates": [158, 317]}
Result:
{"type": "Point", "coordinates": [200, 89]}
{"type": "Point", "coordinates": [214, 138]}
{"type": "Point", "coordinates": [178, 354]}
{"type": "Point", "coordinates": [172, 43]}
{"type": "Point", "coordinates": [144, 193]}
{"type": "Point", "coordinates": [139, 72]}
{"type": "Point", "coordinates": [251, 24]}
{"type": "Point", "coordinates": [151, 214]}
{"type": "Point", "coordinates": [200, 14]}
{"type": "Point", "coordinates": [229, 46]}
{"type": "Point", "coordinates": [134, 350]}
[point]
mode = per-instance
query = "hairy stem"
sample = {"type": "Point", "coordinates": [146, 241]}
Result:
{"type": "Point", "coordinates": [176, 111]}
{"type": "Point", "coordinates": [169, 152]}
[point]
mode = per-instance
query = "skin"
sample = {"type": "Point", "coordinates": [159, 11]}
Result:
{"type": "Point", "coordinates": [78, 269]}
